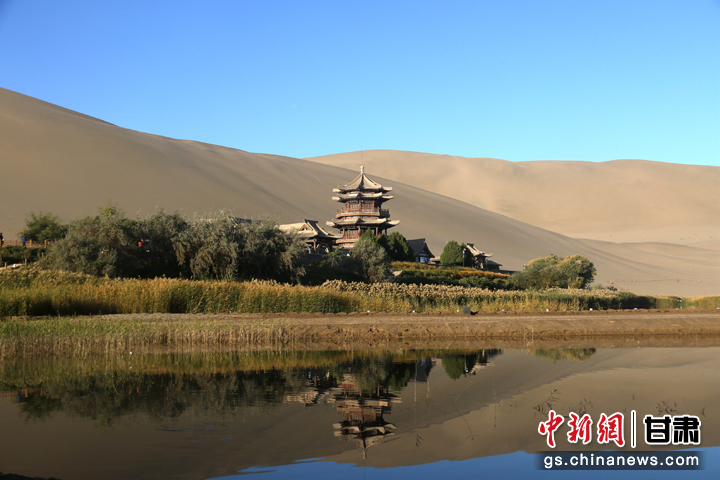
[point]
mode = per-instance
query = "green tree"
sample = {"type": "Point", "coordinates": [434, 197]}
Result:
{"type": "Point", "coordinates": [42, 227]}
{"type": "Point", "coordinates": [580, 271]}
{"type": "Point", "coordinates": [456, 254]}
{"type": "Point", "coordinates": [159, 233]}
{"type": "Point", "coordinates": [270, 253]}
{"type": "Point", "coordinates": [219, 246]}
{"type": "Point", "coordinates": [397, 247]}
{"type": "Point", "coordinates": [574, 271]}
{"type": "Point", "coordinates": [99, 245]}
{"type": "Point", "coordinates": [370, 260]}
{"type": "Point", "coordinates": [210, 247]}
{"type": "Point", "coordinates": [334, 258]}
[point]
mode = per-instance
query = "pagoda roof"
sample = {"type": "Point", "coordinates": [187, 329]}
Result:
{"type": "Point", "coordinates": [362, 182]}
{"type": "Point", "coordinates": [475, 252]}
{"type": "Point", "coordinates": [358, 195]}
{"type": "Point", "coordinates": [419, 246]}
{"type": "Point", "coordinates": [308, 229]}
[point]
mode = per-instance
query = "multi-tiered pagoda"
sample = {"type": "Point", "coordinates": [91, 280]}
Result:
{"type": "Point", "coordinates": [362, 210]}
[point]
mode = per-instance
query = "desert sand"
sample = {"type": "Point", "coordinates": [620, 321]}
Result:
{"type": "Point", "coordinates": [60, 161]}
{"type": "Point", "coordinates": [616, 201]}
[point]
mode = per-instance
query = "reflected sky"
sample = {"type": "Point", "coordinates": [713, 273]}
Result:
{"type": "Point", "coordinates": [514, 465]}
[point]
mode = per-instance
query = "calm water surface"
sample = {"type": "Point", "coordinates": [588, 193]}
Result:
{"type": "Point", "coordinates": [341, 414]}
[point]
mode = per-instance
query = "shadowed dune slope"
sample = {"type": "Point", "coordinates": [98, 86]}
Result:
{"type": "Point", "coordinates": [617, 201]}
{"type": "Point", "coordinates": [67, 163]}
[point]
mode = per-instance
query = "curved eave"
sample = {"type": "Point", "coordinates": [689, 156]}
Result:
{"type": "Point", "coordinates": [361, 196]}
{"type": "Point", "coordinates": [362, 190]}
{"type": "Point", "coordinates": [380, 222]}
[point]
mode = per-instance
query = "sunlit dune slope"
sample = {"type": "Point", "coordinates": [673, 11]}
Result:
{"type": "Point", "coordinates": [67, 163]}
{"type": "Point", "coordinates": [617, 201]}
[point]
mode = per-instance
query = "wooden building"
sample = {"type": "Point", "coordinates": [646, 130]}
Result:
{"type": "Point", "coordinates": [362, 201]}
{"type": "Point", "coordinates": [481, 258]}
{"type": "Point", "coordinates": [421, 250]}
{"type": "Point", "coordinates": [317, 239]}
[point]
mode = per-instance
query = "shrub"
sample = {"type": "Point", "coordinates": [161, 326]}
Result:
{"type": "Point", "coordinates": [370, 261]}
{"type": "Point", "coordinates": [210, 247]}
{"type": "Point", "coordinates": [574, 271]}
{"type": "Point", "coordinates": [397, 247]}
{"type": "Point", "coordinates": [218, 246]}
{"type": "Point", "coordinates": [215, 246]}
{"type": "Point", "coordinates": [19, 254]}
{"type": "Point", "coordinates": [579, 271]}
{"type": "Point", "coordinates": [159, 234]}
{"type": "Point", "coordinates": [43, 227]}
{"type": "Point", "coordinates": [99, 245]}
{"type": "Point", "coordinates": [456, 254]}
{"type": "Point", "coordinates": [269, 253]}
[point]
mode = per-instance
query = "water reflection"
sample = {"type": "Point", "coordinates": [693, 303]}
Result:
{"type": "Point", "coordinates": [201, 415]}
{"type": "Point", "coordinates": [166, 386]}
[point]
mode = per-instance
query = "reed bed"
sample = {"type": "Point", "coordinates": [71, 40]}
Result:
{"type": "Point", "coordinates": [450, 272]}
{"type": "Point", "coordinates": [85, 336]}
{"type": "Point", "coordinates": [422, 298]}
{"type": "Point", "coordinates": [36, 292]}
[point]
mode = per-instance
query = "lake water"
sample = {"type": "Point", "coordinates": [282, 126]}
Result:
{"type": "Point", "coordinates": [344, 414]}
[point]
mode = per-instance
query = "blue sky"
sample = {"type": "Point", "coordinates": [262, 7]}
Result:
{"type": "Point", "coordinates": [518, 80]}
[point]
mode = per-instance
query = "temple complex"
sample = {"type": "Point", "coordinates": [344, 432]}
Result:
{"type": "Point", "coordinates": [362, 210]}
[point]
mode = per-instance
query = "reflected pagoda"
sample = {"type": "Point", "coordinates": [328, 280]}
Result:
{"type": "Point", "coordinates": [362, 210]}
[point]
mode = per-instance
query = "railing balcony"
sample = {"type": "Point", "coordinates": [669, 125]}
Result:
{"type": "Point", "coordinates": [352, 235]}
{"type": "Point", "coordinates": [376, 212]}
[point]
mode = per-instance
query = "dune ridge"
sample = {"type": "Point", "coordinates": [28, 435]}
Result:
{"type": "Point", "coordinates": [617, 201]}
{"type": "Point", "coordinates": [67, 163]}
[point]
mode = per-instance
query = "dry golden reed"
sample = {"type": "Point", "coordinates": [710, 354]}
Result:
{"type": "Point", "coordinates": [35, 292]}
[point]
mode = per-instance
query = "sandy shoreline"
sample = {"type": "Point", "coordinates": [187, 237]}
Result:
{"type": "Point", "coordinates": [374, 329]}
{"type": "Point", "coordinates": [161, 332]}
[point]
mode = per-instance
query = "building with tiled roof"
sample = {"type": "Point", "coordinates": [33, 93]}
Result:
{"type": "Point", "coordinates": [362, 210]}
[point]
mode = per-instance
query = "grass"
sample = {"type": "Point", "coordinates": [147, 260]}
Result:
{"type": "Point", "coordinates": [36, 292]}
{"type": "Point", "coordinates": [84, 335]}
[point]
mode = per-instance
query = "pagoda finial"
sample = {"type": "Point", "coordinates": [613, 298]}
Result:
{"type": "Point", "coordinates": [362, 168]}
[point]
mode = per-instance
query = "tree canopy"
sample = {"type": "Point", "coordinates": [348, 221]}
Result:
{"type": "Point", "coordinates": [42, 227]}
{"type": "Point", "coordinates": [397, 247]}
{"type": "Point", "coordinates": [370, 260]}
{"type": "Point", "coordinates": [214, 246]}
{"type": "Point", "coordinates": [456, 254]}
{"type": "Point", "coordinates": [103, 244]}
{"type": "Point", "coordinates": [573, 271]}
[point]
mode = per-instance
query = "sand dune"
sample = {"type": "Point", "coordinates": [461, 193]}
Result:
{"type": "Point", "coordinates": [617, 201]}
{"type": "Point", "coordinates": [67, 163]}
